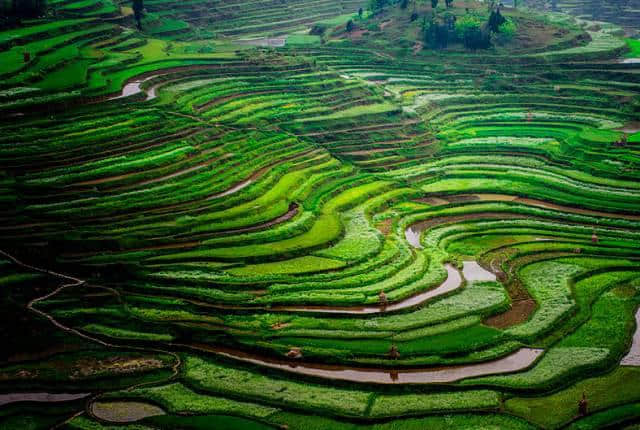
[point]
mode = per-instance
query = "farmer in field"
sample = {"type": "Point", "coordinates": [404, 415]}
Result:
{"type": "Point", "coordinates": [382, 299]}
{"type": "Point", "coordinates": [394, 375]}
{"type": "Point", "coordinates": [294, 353]}
{"type": "Point", "coordinates": [583, 405]}
{"type": "Point", "coordinates": [393, 352]}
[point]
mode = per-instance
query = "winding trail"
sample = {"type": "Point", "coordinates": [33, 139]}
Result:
{"type": "Point", "coordinates": [76, 282]}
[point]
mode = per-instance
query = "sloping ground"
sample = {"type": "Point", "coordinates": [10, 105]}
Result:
{"type": "Point", "coordinates": [250, 18]}
{"type": "Point", "coordinates": [624, 13]}
{"type": "Point", "coordinates": [228, 215]}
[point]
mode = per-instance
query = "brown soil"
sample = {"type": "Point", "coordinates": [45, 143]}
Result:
{"type": "Point", "coordinates": [385, 226]}
{"type": "Point", "coordinates": [519, 312]}
{"type": "Point", "coordinates": [89, 367]}
{"type": "Point", "coordinates": [631, 127]}
{"type": "Point", "coordinates": [124, 412]}
{"type": "Point", "coordinates": [523, 305]}
{"type": "Point", "coordinates": [433, 201]}
{"type": "Point", "coordinates": [356, 34]}
{"type": "Point", "coordinates": [533, 34]}
{"type": "Point", "coordinates": [461, 198]}
{"type": "Point", "coordinates": [279, 326]}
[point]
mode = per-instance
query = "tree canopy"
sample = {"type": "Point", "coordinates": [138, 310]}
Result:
{"type": "Point", "coordinates": [138, 8]}
{"type": "Point", "coordinates": [376, 6]}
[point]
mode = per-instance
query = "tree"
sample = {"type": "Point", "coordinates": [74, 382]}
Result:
{"type": "Point", "coordinates": [138, 12]}
{"type": "Point", "coordinates": [7, 7]}
{"type": "Point", "coordinates": [435, 35]}
{"type": "Point", "coordinates": [442, 36]}
{"type": "Point", "coordinates": [376, 6]}
{"type": "Point", "coordinates": [495, 20]}
{"type": "Point", "coordinates": [450, 20]}
{"type": "Point", "coordinates": [360, 13]}
{"type": "Point", "coordinates": [28, 8]}
{"type": "Point", "coordinates": [469, 31]}
{"type": "Point", "coordinates": [350, 26]}
{"type": "Point", "coordinates": [506, 31]}
{"type": "Point", "coordinates": [449, 3]}
{"type": "Point", "coordinates": [434, 4]}
{"type": "Point", "coordinates": [426, 30]}
{"type": "Point", "coordinates": [404, 4]}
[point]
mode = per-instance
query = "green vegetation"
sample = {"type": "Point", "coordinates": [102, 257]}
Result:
{"type": "Point", "coordinates": [318, 214]}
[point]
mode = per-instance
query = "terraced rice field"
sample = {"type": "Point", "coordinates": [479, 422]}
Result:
{"type": "Point", "coordinates": [625, 13]}
{"type": "Point", "coordinates": [200, 233]}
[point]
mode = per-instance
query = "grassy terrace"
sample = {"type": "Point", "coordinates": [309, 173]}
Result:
{"type": "Point", "coordinates": [241, 18]}
{"type": "Point", "coordinates": [191, 211]}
